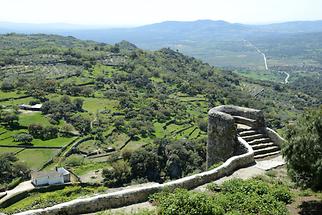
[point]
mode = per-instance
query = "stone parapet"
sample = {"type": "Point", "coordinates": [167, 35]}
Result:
{"type": "Point", "coordinates": [135, 195]}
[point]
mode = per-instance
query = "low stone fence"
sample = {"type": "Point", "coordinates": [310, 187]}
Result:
{"type": "Point", "coordinates": [275, 137]}
{"type": "Point", "coordinates": [141, 194]}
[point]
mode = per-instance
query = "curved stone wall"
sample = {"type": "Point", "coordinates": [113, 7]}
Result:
{"type": "Point", "coordinates": [222, 143]}
{"type": "Point", "coordinates": [250, 113]}
{"type": "Point", "coordinates": [136, 195]}
{"type": "Point", "coordinates": [222, 137]}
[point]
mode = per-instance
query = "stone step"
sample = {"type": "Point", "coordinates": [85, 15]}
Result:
{"type": "Point", "coordinates": [241, 127]}
{"type": "Point", "coordinates": [253, 137]}
{"type": "Point", "coordinates": [263, 145]}
{"type": "Point", "coordinates": [266, 155]}
{"type": "Point", "coordinates": [266, 150]}
{"type": "Point", "coordinates": [260, 140]}
{"type": "Point", "coordinates": [247, 133]}
{"type": "Point", "coordinates": [244, 121]}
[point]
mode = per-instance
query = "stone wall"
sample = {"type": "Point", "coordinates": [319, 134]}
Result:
{"type": "Point", "coordinates": [222, 137]}
{"type": "Point", "coordinates": [141, 194]}
{"type": "Point", "coordinates": [275, 137]}
{"type": "Point", "coordinates": [250, 113]}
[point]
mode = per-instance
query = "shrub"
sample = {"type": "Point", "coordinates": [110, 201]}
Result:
{"type": "Point", "coordinates": [41, 132]}
{"type": "Point", "coordinates": [119, 174]}
{"type": "Point", "coordinates": [14, 183]}
{"type": "Point", "coordinates": [235, 197]}
{"type": "Point", "coordinates": [74, 160]}
{"type": "Point", "coordinates": [282, 193]}
{"type": "Point", "coordinates": [23, 138]}
{"type": "Point", "coordinates": [304, 148]}
{"type": "Point", "coordinates": [182, 202]}
{"type": "Point", "coordinates": [145, 164]}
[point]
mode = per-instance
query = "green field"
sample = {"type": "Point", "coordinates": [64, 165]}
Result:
{"type": "Point", "coordinates": [25, 119]}
{"type": "Point", "coordinates": [7, 139]}
{"type": "Point", "coordinates": [88, 146]}
{"type": "Point", "coordinates": [277, 77]}
{"type": "Point", "coordinates": [90, 167]}
{"type": "Point", "coordinates": [93, 105]}
{"type": "Point", "coordinates": [9, 150]}
{"type": "Point", "coordinates": [16, 102]}
{"type": "Point", "coordinates": [4, 95]}
{"type": "Point", "coordinates": [35, 158]}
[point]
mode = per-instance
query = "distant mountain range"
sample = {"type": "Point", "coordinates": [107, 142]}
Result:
{"type": "Point", "coordinates": [216, 42]}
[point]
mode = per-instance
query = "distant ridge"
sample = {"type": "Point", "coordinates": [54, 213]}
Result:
{"type": "Point", "coordinates": [219, 43]}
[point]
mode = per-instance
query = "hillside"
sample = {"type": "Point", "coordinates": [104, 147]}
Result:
{"type": "Point", "coordinates": [222, 44]}
{"type": "Point", "coordinates": [105, 103]}
{"type": "Point", "coordinates": [101, 102]}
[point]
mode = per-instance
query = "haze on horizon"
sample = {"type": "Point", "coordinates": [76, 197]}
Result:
{"type": "Point", "coordinates": [140, 12]}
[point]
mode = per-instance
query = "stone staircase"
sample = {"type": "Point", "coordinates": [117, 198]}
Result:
{"type": "Point", "coordinates": [262, 145]}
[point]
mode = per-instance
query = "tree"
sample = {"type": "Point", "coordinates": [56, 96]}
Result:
{"type": "Point", "coordinates": [9, 118]}
{"type": "Point", "coordinates": [81, 123]}
{"type": "Point", "coordinates": [11, 168]}
{"type": "Point", "coordinates": [78, 103]}
{"type": "Point", "coordinates": [35, 130]}
{"type": "Point", "coordinates": [23, 138]}
{"type": "Point", "coordinates": [177, 159]}
{"type": "Point", "coordinates": [202, 124]}
{"type": "Point", "coordinates": [145, 164]}
{"type": "Point", "coordinates": [7, 85]}
{"type": "Point", "coordinates": [49, 132]}
{"type": "Point", "coordinates": [67, 129]}
{"type": "Point", "coordinates": [118, 174]}
{"type": "Point", "coordinates": [303, 151]}
{"type": "Point", "coordinates": [41, 132]}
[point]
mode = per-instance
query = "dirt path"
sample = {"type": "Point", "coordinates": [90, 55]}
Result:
{"type": "Point", "coordinates": [131, 209]}
{"type": "Point", "coordinates": [249, 172]}
{"type": "Point", "coordinates": [22, 187]}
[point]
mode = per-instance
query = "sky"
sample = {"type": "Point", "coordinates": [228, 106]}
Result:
{"type": "Point", "coordinates": [140, 12]}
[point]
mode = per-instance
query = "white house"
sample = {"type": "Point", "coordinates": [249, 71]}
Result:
{"type": "Point", "coordinates": [36, 107]}
{"type": "Point", "coordinates": [57, 176]}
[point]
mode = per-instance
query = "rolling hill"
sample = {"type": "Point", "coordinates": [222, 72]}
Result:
{"type": "Point", "coordinates": [219, 43]}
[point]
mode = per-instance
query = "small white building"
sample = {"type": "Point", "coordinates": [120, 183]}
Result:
{"type": "Point", "coordinates": [36, 107]}
{"type": "Point", "coordinates": [57, 176]}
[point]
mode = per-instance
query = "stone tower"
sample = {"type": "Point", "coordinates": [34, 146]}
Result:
{"type": "Point", "coordinates": [222, 137]}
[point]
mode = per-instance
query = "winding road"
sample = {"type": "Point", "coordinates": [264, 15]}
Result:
{"type": "Point", "coordinates": [260, 52]}
{"type": "Point", "coordinates": [287, 77]}
{"type": "Point", "coordinates": [264, 56]}
{"type": "Point", "coordinates": [265, 61]}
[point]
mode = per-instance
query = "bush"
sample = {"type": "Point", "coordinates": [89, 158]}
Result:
{"type": "Point", "coordinates": [145, 164]}
{"type": "Point", "coordinates": [23, 138]}
{"type": "Point", "coordinates": [14, 183]}
{"type": "Point", "coordinates": [281, 193]}
{"type": "Point", "coordinates": [304, 148]}
{"type": "Point", "coordinates": [74, 160]}
{"type": "Point", "coordinates": [184, 202]}
{"type": "Point", "coordinates": [118, 175]}
{"type": "Point", "coordinates": [235, 197]}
